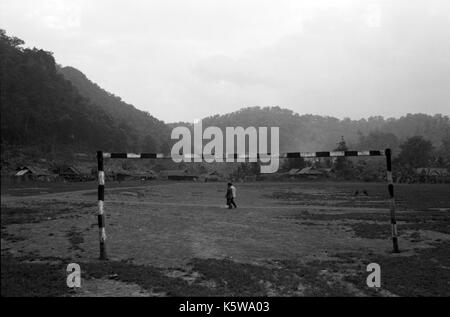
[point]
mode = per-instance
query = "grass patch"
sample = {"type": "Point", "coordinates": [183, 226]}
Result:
{"type": "Point", "coordinates": [147, 277]}
{"type": "Point", "coordinates": [19, 277]}
{"type": "Point", "coordinates": [316, 276]}
{"type": "Point", "coordinates": [408, 196]}
{"type": "Point", "coordinates": [371, 230]}
{"type": "Point", "coordinates": [240, 279]}
{"type": "Point", "coordinates": [438, 221]}
{"type": "Point", "coordinates": [290, 278]}
{"type": "Point", "coordinates": [22, 215]}
{"type": "Point", "coordinates": [427, 273]}
{"type": "Point", "coordinates": [23, 277]}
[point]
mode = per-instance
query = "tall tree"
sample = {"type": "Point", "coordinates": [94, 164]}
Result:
{"type": "Point", "coordinates": [378, 140]}
{"type": "Point", "coordinates": [415, 152]}
{"type": "Point", "coordinates": [443, 152]}
{"type": "Point", "coordinates": [340, 163]}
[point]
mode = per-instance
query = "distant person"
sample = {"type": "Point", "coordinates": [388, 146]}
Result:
{"type": "Point", "coordinates": [231, 195]}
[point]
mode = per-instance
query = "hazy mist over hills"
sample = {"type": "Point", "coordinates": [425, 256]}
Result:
{"type": "Point", "coordinates": [51, 106]}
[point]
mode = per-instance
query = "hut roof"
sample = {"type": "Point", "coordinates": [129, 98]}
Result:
{"type": "Point", "coordinates": [432, 171]}
{"type": "Point", "coordinates": [145, 173]}
{"type": "Point", "coordinates": [34, 170]}
{"type": "Point", "coordinates": [180, 172]}
{"type": "Point", "coordinates": [309, 171]}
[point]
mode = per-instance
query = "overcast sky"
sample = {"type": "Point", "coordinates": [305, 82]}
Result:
{"type": "Point", "coordinates": [188, 59]}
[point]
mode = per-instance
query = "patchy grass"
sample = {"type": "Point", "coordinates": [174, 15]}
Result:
{"type": "Point", "coordinates": [317, 278]}
{"type": "Point", "coordinates": [28, 276]}
{"type": "Point", "coordinates": [212, 277]}
{"type": "Point", "coordinates": [24, 278]}
{"type": "Point", "coordinates": [371, 230]}
{"type": "Point", "coordinates": [408, 196]}
{"type": "Point", "coordinates": [147, 277]}
{"type": "Point", "coordinates": [22, 215]}
{"type": "Point", "coordinates": [290, 278]}
{"type": "Point", "coordinates": [427, 273]}
{"type": "Point", "coordinates": [378, 226]}
{"type": "Point", "coordinates": [46, 277]}
{"type": "Point", "coordinates": [240, 279]}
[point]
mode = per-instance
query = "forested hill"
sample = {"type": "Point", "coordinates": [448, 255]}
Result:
{"type": "Point", "coordinates": [314, 133]}
{"type": "Point", "coordinates": [42, 109]}
{"type": "Point", "coordinates": [149, 133]}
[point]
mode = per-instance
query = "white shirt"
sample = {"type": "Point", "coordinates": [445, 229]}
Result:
{"type": "Point", "coordinates": [233, 190]}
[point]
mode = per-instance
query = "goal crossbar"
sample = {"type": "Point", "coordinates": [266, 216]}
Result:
{"type": "Point", "coordinates": [246, 156]}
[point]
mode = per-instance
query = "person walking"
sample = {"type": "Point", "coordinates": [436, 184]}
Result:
{"type": "Point", "coordinates": [231, 195]}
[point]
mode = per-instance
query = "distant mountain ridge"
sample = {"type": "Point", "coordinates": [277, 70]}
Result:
{"type": "Point", "coordinates": [308, 132]}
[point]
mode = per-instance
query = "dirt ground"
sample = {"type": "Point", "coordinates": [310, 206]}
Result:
{"type": "Point", "coordinates": [179, 239]}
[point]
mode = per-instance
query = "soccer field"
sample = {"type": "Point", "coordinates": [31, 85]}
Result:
{"type": "Point", "coordinates": [179, 239]}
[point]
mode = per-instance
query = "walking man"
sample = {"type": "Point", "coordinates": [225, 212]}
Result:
{"type": "Point", "coordinates": [231, 195]}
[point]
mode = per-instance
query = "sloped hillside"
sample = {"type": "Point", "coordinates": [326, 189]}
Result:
{"type": "Point", "coordinates": [148, 133]}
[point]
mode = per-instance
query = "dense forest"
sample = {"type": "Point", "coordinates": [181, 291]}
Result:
{"type": "Point", "coordinates": [42, 109]}
{"type": "Point", "coordinates": [58, 109]}
{"type": "Point", "coordinates": [39, 106]}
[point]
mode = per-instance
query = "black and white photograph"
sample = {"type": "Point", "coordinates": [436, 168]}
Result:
{"type": "Point", "coordinates": [225, 154]}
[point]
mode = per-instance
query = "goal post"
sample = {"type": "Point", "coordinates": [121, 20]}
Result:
{"type": "Point", "coordinates": [387, 153]}
{"type": "Point", "coordinates": [390, 182]}
{"type": "Point", "coordinates": [101, 211]}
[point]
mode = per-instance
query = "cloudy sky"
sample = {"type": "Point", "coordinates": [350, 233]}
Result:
{"type": "Point", "coordinates": [187, 59]}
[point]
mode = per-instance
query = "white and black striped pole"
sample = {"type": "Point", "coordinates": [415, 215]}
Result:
{"type": "Point", "coordinates": [390, 182]}
{"type": "Point", "coordinates": [101, 211]}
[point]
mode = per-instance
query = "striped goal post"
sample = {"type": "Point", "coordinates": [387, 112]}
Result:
{"type": "Point", "coordinates": [290, 155]}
